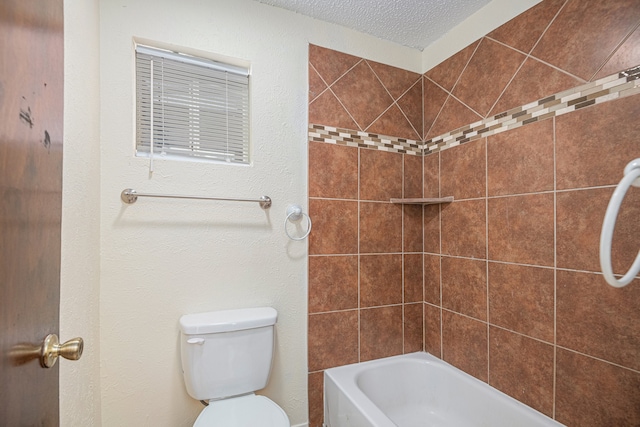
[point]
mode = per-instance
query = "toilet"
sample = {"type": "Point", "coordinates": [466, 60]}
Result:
{"type": "Point", "coordinates": [226, 357]}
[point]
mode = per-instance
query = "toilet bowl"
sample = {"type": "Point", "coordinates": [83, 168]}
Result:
{"type": "Point", "coordinates": [226, 357]}
{"type": "Point", "coordinates": [245, 411]}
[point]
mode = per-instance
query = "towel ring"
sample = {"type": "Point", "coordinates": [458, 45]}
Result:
{"type": "Point", "coordinates": [631, 178]}
{"type": "Point", "coordinates": [295, 214]}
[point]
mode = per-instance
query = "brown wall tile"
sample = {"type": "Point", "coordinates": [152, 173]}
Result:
{"type": "Point", "coordinates": [411, 105]}
{"type": "Point", "coordinates": [316, 84]}
{"type": "Point", "coordinates": [335, 227]}
{"type": "Point", "coordinates": [521, 160]}
{"type": "Point", "coordinates": [592, 393]}
{"type": "Point", "coordinates": [454, 115]}
{"type": "Point", "coordinates": [579, 222]}
{"type": "Point", "coordinates": [464, 344]}
{"type": "Point", "coordinates": [432, 326]}
{"type": "Point", "coordinates": [432, 175]}
{"type": "Point", "coordinates": [446, 73]}
{"type": "Point", "coordinates": [432, 279]}
{"type": "Point", "coordinates": [333, 339]}
{"type": "Point", "coordinates": [597, 27]}
{"type": "Point", "coordinates": [533, 81]}
{"type": "Point", "coordinates": [521, 298]}
{"type": "Point", "coordinates": [380, 280]}
{"type": "Point", "coordinates": [491, 68]}
{"type": "Point", "coordinates": [380, 175]}
{"type": "Point", "coordinates": [412, 228]}
{"type": "Point", "coordinates": [316, 399]}
{"type": "Point", "coordinates": [394, 122]}
{"type": "Point", "coordinates": [595, 144]}
{"type": "Point", "coordinates": [431, 217]}
{"type": "Point", "coordinates": [463, 171]}
{"type": "Point", "coordinates": [580, 215]}
{"type": "Point", "coordinates": [412, 176]}
{"type": "Point", "coordinates": [333, 283]}
{"type": "Point", "coordinates": [362, 94]}
{"type": "Point", "coordinates": [380, 332]}
{"type": "Point", "coordinates": [396, 80]}
{"type": "Point", "coordinates": [522, 368]}
{"type": "Point", "coordinates": [464, 229]}
{"type": "Point", "coordinates": [333, 171]}
{"type": "Point", "coordinates": [326, 109]}
{"type": "Point", "coordinates": [413, 328]}
{"type": "Point", "coordinates": [464, 286]}
{"type": "Point", "coordinates": [413, 278]}
{"type": "Point", "coordinates": [380, 227]}
{"type": "Point", "coordinates": [523, 31]}
{"type": "Point", "coordinates": [434, 99]}
{"type": "Point", "coordinates": [330, 64]}
{"type": "Point", "coordinates": [597, 319]}
{"type": "Point", "coordinates": [627, 56]}
{"type": "Point", "coordinates": [521, 229]}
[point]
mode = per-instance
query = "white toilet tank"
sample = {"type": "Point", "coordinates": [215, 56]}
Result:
{"type": "Point", "coordinates": [227, 353]}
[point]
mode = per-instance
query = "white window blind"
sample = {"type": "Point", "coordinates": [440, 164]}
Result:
{"type": "Point", "coordinates": [191, 107]}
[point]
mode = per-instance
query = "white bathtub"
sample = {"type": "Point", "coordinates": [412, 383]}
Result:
{"type": "Point", "coordinates": [418, 390]}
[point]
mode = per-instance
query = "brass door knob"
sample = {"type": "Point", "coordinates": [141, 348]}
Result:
{"type": "Point", "coordinates": [51, 349]}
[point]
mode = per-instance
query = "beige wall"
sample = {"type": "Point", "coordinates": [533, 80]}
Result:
{"type": "Point", "coordinates": [80, 270]}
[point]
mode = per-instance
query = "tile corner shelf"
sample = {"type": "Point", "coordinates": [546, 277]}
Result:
{"type": "Point", "coordinates": [424, 201]}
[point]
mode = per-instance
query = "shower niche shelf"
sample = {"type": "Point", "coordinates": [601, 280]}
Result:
{"type": "Point", "coordinates": [423, 200]}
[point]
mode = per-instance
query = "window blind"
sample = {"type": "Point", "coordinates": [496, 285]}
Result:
{"type": "Point", "coordinates": [191, 107]}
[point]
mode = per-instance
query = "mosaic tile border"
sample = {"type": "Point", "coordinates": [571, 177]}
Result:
{"type": "Point", "coordinates": [620, 85]}
{"type": "Point", "coordinates": [354, 138]}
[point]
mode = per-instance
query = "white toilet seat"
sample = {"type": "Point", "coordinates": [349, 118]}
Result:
{"type": "Point", "coordinates": [250, 410]}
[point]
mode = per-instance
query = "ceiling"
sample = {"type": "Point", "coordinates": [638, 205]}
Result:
{"type": "Point", "coordinates": [412, 23]}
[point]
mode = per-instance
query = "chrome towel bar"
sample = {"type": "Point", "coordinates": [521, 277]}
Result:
{"type": "Point", "coordinates": [130, 196]}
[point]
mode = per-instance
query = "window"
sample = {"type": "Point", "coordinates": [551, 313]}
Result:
{"type": "Point", "coordinates": [191, 107]}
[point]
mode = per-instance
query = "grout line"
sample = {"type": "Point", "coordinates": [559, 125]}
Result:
{"type": "Point", "coordinates": [636, 371]}
{"type": "Point", "coordinates": [504, 328]}
{"type": "Point", "coordinates": [422, 134]}
{"type": "Point", "coordinates": [486, 251]}
{"type": "Point", "coordinates": [440, 256]}
{"type": "Point", "coordinates": [359, 258]}
{"type": "Point", "coordinates": [402, 257]}
{"type": "Point", "coordinates": [555, 272]}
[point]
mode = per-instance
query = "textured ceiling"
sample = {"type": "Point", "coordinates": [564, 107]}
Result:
{"type": "Point", "coordinates": [413, 23]}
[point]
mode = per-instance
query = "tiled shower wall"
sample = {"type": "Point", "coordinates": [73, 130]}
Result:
{"type": "Point", "coordinates": [508, 273]}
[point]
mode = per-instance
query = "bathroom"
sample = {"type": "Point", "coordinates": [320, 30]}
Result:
{"type": "Point", "coordinates": [130, 271]}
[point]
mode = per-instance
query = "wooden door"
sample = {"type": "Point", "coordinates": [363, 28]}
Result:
{"type": "Point", "coordinates": [31, 118]}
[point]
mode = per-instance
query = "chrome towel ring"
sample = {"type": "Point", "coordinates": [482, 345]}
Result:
{"type": "Point", "coordinates": [295, 214]}
{"type": "Point", "coordinates": [631, 178]}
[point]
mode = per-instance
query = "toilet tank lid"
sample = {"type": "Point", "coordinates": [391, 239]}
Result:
{"type": "Point", "coordinates": [227, 320]}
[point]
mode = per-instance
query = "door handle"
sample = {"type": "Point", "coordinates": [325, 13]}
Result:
{"type": "Point", "coordinates": [51, 349]}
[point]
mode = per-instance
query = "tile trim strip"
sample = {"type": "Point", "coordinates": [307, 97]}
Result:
{"type": "Point", "coordinates": [615, 86]}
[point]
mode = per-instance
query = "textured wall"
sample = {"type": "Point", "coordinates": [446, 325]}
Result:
{"type": "Point", "coordinates": [80, 268]}
{"type": "Point", "coordinates": [511, 285]}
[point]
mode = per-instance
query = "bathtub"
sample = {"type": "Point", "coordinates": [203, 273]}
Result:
{"type": "Point", "coordinates": [418, 390]}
